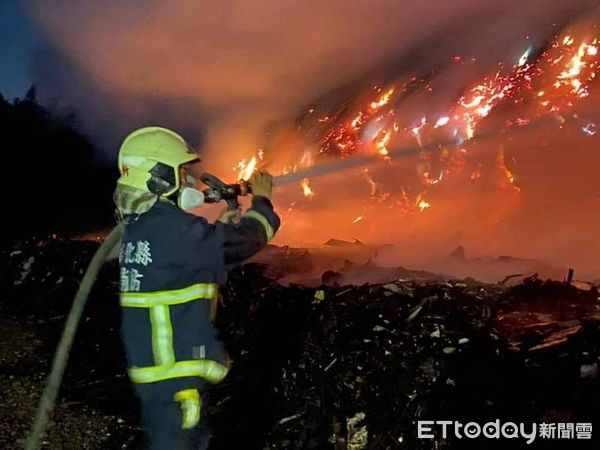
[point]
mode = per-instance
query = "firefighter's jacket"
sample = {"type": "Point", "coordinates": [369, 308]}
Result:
{"type": "Point", "coordinates": [171, 264]}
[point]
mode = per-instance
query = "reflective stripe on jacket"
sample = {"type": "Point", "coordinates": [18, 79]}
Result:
{"type": "Point", "coordinates": [171, 264]}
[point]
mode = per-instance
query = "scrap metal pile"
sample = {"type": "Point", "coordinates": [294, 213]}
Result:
{"type": "Point", "coordinates": [338, 367]}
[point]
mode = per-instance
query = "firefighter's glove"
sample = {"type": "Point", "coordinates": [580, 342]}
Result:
{"type": "Point", "coordinates": [262, 184]}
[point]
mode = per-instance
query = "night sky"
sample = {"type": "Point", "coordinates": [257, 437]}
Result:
{"type": "Point", "coordinates": [19, 38]}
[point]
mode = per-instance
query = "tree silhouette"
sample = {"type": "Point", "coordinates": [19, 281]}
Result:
{"type": "Point", "coordinates": [51, 182]}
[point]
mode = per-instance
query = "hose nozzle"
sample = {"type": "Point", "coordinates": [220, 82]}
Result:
{"type": "Point", "coordinates": [218, 190]}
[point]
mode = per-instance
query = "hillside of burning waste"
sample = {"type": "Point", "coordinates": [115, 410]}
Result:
{"type": "Point", "coordinates": [326, 367]}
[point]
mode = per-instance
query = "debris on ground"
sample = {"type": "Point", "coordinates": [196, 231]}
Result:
{"type": "Point", "coordinates": [326, 366]}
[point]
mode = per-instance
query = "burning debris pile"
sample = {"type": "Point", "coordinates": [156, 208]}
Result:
{"type": "Point", "coordinates": [407, 160]}
{"type": "Point", "coordinates": [340, 367]}
{"type": "Point", "coordinates": [542, 86]}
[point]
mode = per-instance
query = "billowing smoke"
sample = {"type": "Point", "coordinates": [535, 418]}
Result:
{"type": "Point", "coordinates": [231, 74]}
{"type": "Point", "coordinates": [229, 68]}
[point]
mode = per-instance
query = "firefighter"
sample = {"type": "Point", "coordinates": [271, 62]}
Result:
{"type": "Point", "coordinates": [171, 263]}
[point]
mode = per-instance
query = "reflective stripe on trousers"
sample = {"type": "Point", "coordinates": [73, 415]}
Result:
{"type": "Point", "coordinates": [158, 305]}
{"type": "Point", "coordinates": [191, 404]}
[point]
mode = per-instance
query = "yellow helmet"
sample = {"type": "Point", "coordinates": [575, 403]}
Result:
{"type": "Point", "coordinates": [149, 160]}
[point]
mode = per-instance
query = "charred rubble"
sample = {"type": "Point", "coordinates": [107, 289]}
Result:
{"type": "Point", "coordinates": [326, 367]}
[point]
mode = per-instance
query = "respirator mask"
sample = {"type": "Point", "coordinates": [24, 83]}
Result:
{"type": "Point", "coordinates": [188, 196]}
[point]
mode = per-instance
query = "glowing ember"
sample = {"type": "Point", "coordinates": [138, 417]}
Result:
{"type": "Point", "coordinates": [469, 128]}
{"type": "Point", "coordinates": [372, 184]}
{"type": "Point", "coordinates": [358, 121]}
{"type": "Point", "coordinates": [505, 171]}
{"type": "Point", "coordinates": [524, 57]}
{"type": "Point", "coordinates": [306, 189]}
{"type": "Point", "coordinates": [382, 142]}
{"type": "Point", "coordinates": [383, 100]}
{"type": "Point", "coordinates": [442, 121]}
{"type": "Point", "coordinates": [416, 131]}
{"type": "Point", "coordinates": [427, 179]}
{"type": "Point", "coordinates": [589, 129]}
{"type": "Point", "coordinates": [423, 204]}
{"type": "Point", "coordinates": [475, 102]}
{"type": "Point", "coordinates": [357, 219]}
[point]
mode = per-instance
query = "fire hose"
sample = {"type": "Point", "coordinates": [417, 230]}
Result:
{"type": "Point", "coordinates": [66, 341]}
{"type": "Point", "coordinates": [216, 191]}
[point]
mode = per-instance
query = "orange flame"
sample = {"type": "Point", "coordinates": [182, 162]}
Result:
{"type": "Point", "coordinates": [372, 183]}
{"type": "Point", "coordinates": [423, 204]}
{"type": "Point", "coordinates": [442, 121]}
{"type": "Point", "coordinates": [246, 169]}
{"type": "Point", "coordinates": [383, 100]}
{"type": "Point", "coordinates": [572, 72]}
{"type": "Point", "coordinates": [306, 189]}
{"type": "Point", "coordinates": [506, 172]}
{"type": "Point", "coordinates": [382, 143]}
